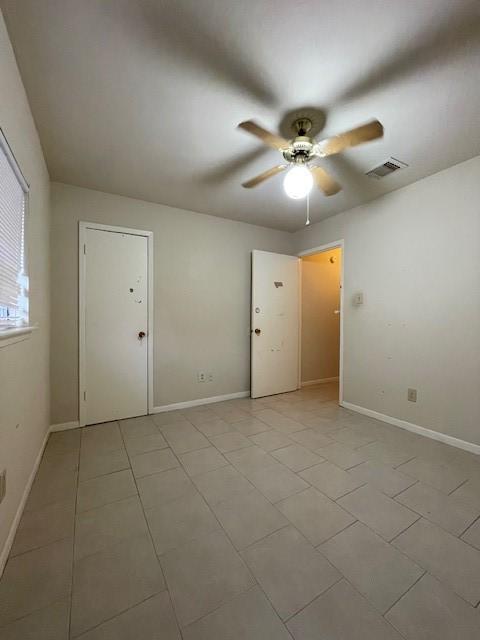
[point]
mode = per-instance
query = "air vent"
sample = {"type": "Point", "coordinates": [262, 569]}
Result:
{"type": "Point", "coordinates": [385, 169]}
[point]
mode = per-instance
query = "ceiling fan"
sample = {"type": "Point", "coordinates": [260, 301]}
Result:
{"type": "Point", "coordinates": [300, 151]}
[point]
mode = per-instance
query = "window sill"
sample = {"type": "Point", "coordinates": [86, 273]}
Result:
{"type": "Point", "coordinates": [14, 335]}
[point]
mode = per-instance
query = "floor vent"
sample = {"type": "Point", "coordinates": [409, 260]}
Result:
{"type": "Point", "coordinates": [385, 169]}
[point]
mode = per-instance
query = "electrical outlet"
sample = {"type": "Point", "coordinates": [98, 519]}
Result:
{"type": "Point", "coordinates": [201, 376]}
{"type": "Point", "coordinates": [209, 377]}
{"type": "Point", "coordinates": [3, 484]}
{"type": "Point", "coordinates": [412, 395]}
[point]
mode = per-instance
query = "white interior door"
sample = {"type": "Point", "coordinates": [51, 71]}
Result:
{"type": "Point", "coordinates": [275, 323]}
{"type": "Point", "coordinates": [114, 307]}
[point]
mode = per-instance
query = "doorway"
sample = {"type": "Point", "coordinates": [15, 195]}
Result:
{"type": "Point", "coordinates": [115, 323]}
{"type": "Point", "coordinates": [321, 319]}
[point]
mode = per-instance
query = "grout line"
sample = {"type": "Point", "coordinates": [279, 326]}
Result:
{"type": "Point", "coordinates": [460, 485]}
{"type": "Point", "coordinates": [403, 531]}
{"type": "Point", "coordinates": [404, 594]}
{"type": "Point", "coordinates": [151, 536]}
{"type": "Point", "coordinates": [319, 595]}
{"type": "Point", "coordinates": [395, 496]}
{"type": "Point", "coordinates": [74, 536]}
{"type": "Point", "coordinates": [465, 530]}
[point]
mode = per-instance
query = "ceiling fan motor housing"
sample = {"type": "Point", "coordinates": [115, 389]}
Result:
{"type": "Point", "coordinates": [300, 150]}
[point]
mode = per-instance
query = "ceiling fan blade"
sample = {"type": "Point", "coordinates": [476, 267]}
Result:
{"type": "Point", "coordinates": [270, 139]}
{"type": "Point", "coordinates": [325, 181]}
{"type": "Point", "coordinates": [264, 176]}
{"type": "Point", "coordinates": [352, 138]}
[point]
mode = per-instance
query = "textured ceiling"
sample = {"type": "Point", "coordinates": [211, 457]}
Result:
{"type": "Point", "coordinates": [142, 98]}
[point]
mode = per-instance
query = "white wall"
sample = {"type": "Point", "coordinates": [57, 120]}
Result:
{"type": "Point", "coordinates": [320, 325]}
{"type": "Point", "coordinates": [24, 369]}
{"type": "Point", "coordinates": [202, 294]}
{"type": "Point", "coordinates": [415, 253]}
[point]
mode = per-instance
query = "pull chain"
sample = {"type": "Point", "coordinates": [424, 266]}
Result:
{"type": "Point", "coordinates": [307, 222]}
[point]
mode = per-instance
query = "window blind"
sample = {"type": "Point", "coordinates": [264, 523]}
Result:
{"type": "Point", "coordinates": [13, 282]}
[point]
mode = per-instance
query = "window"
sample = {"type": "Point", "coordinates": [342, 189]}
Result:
{"type": "Point", "coordinates": [13, 209]}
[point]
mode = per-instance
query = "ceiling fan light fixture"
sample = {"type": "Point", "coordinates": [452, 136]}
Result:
{"type": "Point", "coordinates": [298, 182]}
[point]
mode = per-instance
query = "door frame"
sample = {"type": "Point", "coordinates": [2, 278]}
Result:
{"type": "Point", "coordinates": [82, 236]}
{"type": "Point", "coordinates": [336, 244]}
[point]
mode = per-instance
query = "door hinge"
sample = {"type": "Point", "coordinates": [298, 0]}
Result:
{"type": "Point", "coordinates": [84, 395]}
{"type": "Point", "coordinates": [84, 249]}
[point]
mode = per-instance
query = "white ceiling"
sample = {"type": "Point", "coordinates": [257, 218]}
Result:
{"type": "Point", "coordinates": [141, 98]}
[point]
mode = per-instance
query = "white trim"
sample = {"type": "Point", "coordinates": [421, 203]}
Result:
{"type": "Point", "coordinates": [308, 383]}
{"type": "Point", "coordinates": [15, 334]}
{"type": "Point", "coordinates": [64, 426]}
{"type": "Point", "coordinates": [415, 428]}
{"type": "Point", "coordinates": [336, 244]}
{"type": "Point", "coordinates": [82, 228]}
{"type": "Point", "coordinates": [200, 401]}
{"type": "Point", "coordinates": [16, 521]}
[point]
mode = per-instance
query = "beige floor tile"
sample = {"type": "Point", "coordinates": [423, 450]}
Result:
{"type": "Point", "coordinates": [49, 623]}
{"type": "Point", "coordinates": [248, 517]}
{"type": "Point", "coordinates": [331, 480]}
{"type": "Point", "coordinates": [378, 570]}
{"type": "Point", "coordinates": [443, 477]}
{"type": "Point", "coordinates": [341, 613]}
{"type": "Point", "coordinates": [35, 579]}
{"type": "Point", "coordinates": [222, 484]}
{"type": "Point", "coordinates": [214, 426]}
{"type": "Point", "coordinates": [203, 460]}
{"type": "Point", "coordinates": [99, 491]}
{"type": "Point", "coordinates": [343, 456]}
{"type": "Point", "coordinates": [311, 439]}
{"type": "Point", "coordinates": [296, 457]}
{"type": "Point", "coordinates": [144, 444]}
{"type": "Point", "coordinates": [315, 515]}
{"type": "Point", "coordinates": [52, 485]}
{"type": "Point", "coordinates": [386, 452]}
{"type": "Point", "coordinates": [277, 482]}
{"type": "Point", "coordinates": [101, 438]}
{"type": "Point", "coordinates": [230, 441]}
{"type": "Point", "coordinates": [469, 492]}
{"type": "Point", "coordinates": [175, 523]}
{"type": "Point", "coordinates": [99, 529]}
{"type": "Point", "coordinates": [431, 611]}
{"type": "Point", "coordinates": [250, 459]}
{"type": "Point", "coordinates": [94, 464]}
{"type": "Point", "coordinates": [271, 440]}
{"type": "Point", "coordinates": [204, 574]}
{"type": "Point", "coordinates": [249, 616]}
{"type": "Point", "coordinates": [290, 571]}
{"type": "Point", "coordinates": [146, 464]}
{"type": "Point", "coordinates": [382, 476]}
{"type": "Point", "coordinates": [385, 516]}
{"type": "Point", "coordinates": [251, 426]}
{"type": "Point", "coordinates": [43, 526]}
{"type": "Point", "coordinates": [279, 422]}
{"type": "Point", "coordinates": [152, 619]}
{"type": "Point", "coordinates": [160, 488]}
{"type": "Point", "coordinates": [138, 427]}
{"type": "Point", "coordinates": [184, 437]}
{"type": "Point", "coordinates": [446, 557]}
{"type": "Point", "coordinates": [352, 437]}
{"type": "Point", "coordinates": [472, 534]}
{"type": "Point", "coordinates": [111, 581]}
{"type": "Point", "coordinates": [449, 513]}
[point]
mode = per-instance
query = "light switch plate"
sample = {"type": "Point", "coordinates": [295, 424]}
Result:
{"type": "Point", "coordinates": [357, 298]}
{"type": "Point", "coordinates": [412, 395]}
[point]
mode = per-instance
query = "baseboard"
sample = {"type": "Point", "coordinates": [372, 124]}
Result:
{"type": "Point", "coordinates": [16, 521]}
{"type": "Point", "coordinates": [200, 401]}
{"type": "Point", "coordinates": [308, 383]}
{"type": "Point", "coordinates": [415, 428]}
{"type": "Point", "coordinates": [64, 426]}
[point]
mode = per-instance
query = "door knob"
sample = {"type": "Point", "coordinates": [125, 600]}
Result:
{"type": "Point", "coordinates": [141, 335]}
{"type": "Point", "coordinates": [258, 332]}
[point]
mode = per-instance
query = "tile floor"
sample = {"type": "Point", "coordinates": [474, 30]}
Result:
{"type": "Point", "coordinates": [285, 517]}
